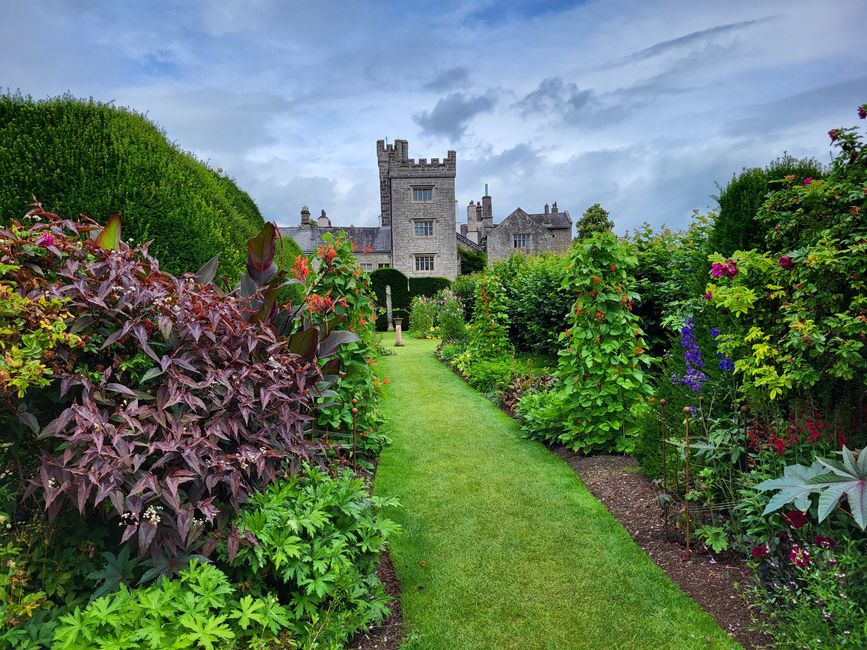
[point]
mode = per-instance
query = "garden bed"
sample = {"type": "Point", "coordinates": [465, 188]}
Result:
{"type": "Point", "coordinates": [714, 582]}
{"type": "Point", "coordinates": [389, 634]}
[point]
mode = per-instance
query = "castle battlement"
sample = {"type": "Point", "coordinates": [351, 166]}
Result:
{"type": "Point", "coordinates": [396, 155]}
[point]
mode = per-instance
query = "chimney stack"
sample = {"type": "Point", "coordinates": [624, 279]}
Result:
{"type": "Point", "coordinates": [554, 208]}
{"type": "Point", "coordinates": [305, 216]}
{"type": "Point", "coordinates": [323, 221]}
{"type": "Point", "coordinates": [546, 208]}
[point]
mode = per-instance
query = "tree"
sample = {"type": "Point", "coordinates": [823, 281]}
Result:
{"type": "Point", "coordinates": [594, 219]}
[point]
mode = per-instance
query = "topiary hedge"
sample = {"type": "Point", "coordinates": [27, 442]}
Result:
{"type": "Point", "coordinates": [426, 286]}
{"type": "Point", "coordinates": [400, 295]}
{"type": "Point", "coordinates": [85, 157]}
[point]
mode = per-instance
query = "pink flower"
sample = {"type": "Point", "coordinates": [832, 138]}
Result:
{"type": "Point", "coordinates": [785, 262]}
{"type": "Point", "coordinates": [708, 295]}
{"type": "Point", "coordinates": [862, 111]}
{"type": "Point", "coordinates": [47, 239]}
{"type": "Point", "coordinates": [728, 269]}
{"type": "Point", "coordinates": [759, 551]}
{"type": "Point", "coordinates": [796, 518]}
{"type": "Point", "coordinates": [808, 180]}
{"type": "Point", "coordinates": [799, 556]}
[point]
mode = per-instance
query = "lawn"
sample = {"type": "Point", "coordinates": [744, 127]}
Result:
{"type": "Point", "coordinates": [502, 545]}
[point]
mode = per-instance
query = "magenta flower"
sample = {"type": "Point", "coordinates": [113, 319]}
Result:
{"type": "Point", "coordinates": [808, 180]}
{"type": "Point", "coordinates": [728, 269]}
{"type": "Point", "coordinates": [786, 262]}
{"type": "Point", "coordinates": [799, 556]}
{"type": "Point", "coordinates": [708, 295]}
{"type": "Point", "coordinates": [47, 239]}
{"type": "Point", "coordinates": [824, 542]}
{"type": "Point", "coordinates": [759, 551]}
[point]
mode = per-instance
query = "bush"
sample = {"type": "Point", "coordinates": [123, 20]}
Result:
{"type": "Point", "coordinates": [472, 261]}
{"type": "Point", "coordinates": [422, 316]}
{"type": "Point", "coordinates": [600, 379]}
{"type": "Point", "coordinates": [105, 159]}
{"type": "Point", "coordinates": [199, 609]}
{"type": "Point", "coordinates": [316, 541]}
{"type": "Point", "coordinates": [539, 304]}
{"type": "Point", "coordinates": [736, 227]}
{"type": "Point", "coordinates": [488, 334]}
{"type": "Point", "coordinates": [450, 324]}
{"type": "Point", "coordinates": [400, 296]}
{"type": "Point", "coordinates": [465, 287]}
{"type": "Point", "coordinates": [427, 286]}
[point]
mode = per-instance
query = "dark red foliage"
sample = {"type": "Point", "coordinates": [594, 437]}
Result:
{"type": "Point", "coordinates": [180, 407]}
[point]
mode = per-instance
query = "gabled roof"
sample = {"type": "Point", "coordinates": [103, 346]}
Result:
{"type": "Point", "coordinates": [553, 219]}
{"type": "Point", "coordinates": [309, 238]}
{"type": "Point", "coordinates": [469, 243]}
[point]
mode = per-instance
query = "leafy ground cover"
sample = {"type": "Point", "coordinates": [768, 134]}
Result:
{"type": "Point", "coordinates": [502, 546]}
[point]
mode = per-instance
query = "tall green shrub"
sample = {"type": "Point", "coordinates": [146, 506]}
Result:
{"type": "Point", "coordinates": [737, 227]}
{"type": "Point", "coordinates": [427, 286]}
{"type": "Point", "coordinates": [85, 157]}
{"type": "Point", "coordinates": [400, 295]}
{"type": "Point", "coordinates": [601, 384]}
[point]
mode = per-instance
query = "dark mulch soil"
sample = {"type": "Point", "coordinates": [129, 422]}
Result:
{"type": "Point", "coordinates": [711, 581]}
{"type": "Point", "coordinates": [390, 633]}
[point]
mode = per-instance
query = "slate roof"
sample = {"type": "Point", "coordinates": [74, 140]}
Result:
{"type": "Point", "coordinates": [469, 243]}
{"type": "Point", "coordinates": [553, 219]}
{"type": "Point", "coordinates": [309, 238]}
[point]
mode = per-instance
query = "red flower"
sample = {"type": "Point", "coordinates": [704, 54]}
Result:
{"type": "Point", "coordinates": [708, 295]}
{"type": "Point", "coordinates": [799, 556]}
{"type": "Point", "coordinates": [824, 542]}
{"type": "Point", "coordinates": [759, 551]}
{"type": "Point", "coordinates": [786, 262]}
{"type": "Point", "coordinates": [599, 315]}
{"type": "Point", "coordinates": [862, 111]}
{"type": "Point", "coordinates": [833, 133]}
{"type": "Point", "coordinates": [301, 270]}
{"type": "Point", "coordinates": [796, 518]}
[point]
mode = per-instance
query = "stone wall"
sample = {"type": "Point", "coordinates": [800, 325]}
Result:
{"type": "Point", "coordinates": [373, 259]}
{"type": "Point", "coordinates": [562, 240]}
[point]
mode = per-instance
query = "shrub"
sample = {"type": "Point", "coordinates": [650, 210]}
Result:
{"type": "Point", "coordinates": [488, 334]}
{"type": "Point", "coordinates": [316, 541]}
{"type": "Point", "coordinates": [450, 324]}
{"type": "Point", "coordinates": [472, 261]}
{"type": "Point", "coordinates": [736, 227]}
{"type": "Point", "coordinates": [166, 418]}
{"type": "Point", "coordinates": [539, 304]}
{"type": "Point", "coordinates": [595, 219]}
{"type": "Point", "coordinates": [422, 316]}
{"type": "Point", "coordinates": [199, 609]}
{"type": "Point", "coordinates": [400, 296]}
{"type": "Point", "coordinates": [340, 291]}
{"type": "Point", "coordinates": [464, 288]}
{"type": "Point", "coordinates": [106, 159]}
{"type": "Point", "coordinates": [427, 286]}
{"type": "Point", "coordinates": [600, 379]}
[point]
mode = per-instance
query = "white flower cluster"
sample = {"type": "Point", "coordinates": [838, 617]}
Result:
{"type": "Point", "coordinates": [152, 515]}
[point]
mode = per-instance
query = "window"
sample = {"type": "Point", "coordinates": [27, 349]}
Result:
{"type": "Point", "coordinates": [423, 228]}
{"type": "Point", "coordinates": [521, 240]}
{"type": "Point", "coordinates": [422, 194]}
{"type": "Point", "coordinates": [424, 262]}
{"type": "Point", "coordinates": [384, 265]}
{"type": "Point", "coordinates": [367, 266]}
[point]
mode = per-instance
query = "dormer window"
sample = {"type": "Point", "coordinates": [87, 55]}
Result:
{"type": "Point", "coordinates": [422, 194]}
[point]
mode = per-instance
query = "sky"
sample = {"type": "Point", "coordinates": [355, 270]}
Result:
{"type": "Point", "coordinates": [644, 107]}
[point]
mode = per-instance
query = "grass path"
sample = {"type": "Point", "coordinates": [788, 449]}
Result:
{"type": "Point", "coordinates": [502, 545]}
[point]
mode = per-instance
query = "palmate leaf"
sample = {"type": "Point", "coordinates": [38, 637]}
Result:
{"type": "Point", "coordinates": [847, 478]}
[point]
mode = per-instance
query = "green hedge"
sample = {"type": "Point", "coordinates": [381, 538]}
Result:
{"type": "Point", "coordinates": [85, 157]}
{"type": "Point", "coordinates": [400, 295]}
{"type": "Point", "coordinates": [427, 286]}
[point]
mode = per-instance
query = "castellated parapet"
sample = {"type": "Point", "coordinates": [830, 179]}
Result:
{"type": "Point", "coordinates": [417, 200]}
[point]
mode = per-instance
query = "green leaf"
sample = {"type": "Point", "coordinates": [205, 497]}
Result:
{"type": "Point", "coordinates": [109, 237]}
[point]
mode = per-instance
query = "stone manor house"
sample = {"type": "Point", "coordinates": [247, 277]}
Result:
{"type": "Point", "coordinates": [418, 232]}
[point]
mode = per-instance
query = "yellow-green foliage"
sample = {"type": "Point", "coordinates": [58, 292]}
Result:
{"type": "Point", "coordinates": [83, 157]}
{"type": "Point", "coordinates": [29, 329]}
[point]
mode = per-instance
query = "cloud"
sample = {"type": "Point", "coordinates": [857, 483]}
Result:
{"type": "Point", "coordinates": [555, 96]}
{"type": "Point", "coordinates": [680, 42]}
{"type": "Point", "coordinates": [448, 79]}
{"type": "Point", "coordinates": [452, 114]}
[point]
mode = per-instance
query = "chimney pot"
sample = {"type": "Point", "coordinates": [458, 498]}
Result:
{"type": "Point", "coordinates": [554, 208]}
{"type": "Point", "coordinates": [546, 208]}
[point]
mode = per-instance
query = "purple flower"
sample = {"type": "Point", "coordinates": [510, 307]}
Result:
{"type": "Point", "coordinates": [727, 365]}
{"type": "Point", "coordinates": [694, 377]}
{"type": "Point", "coordinates": [808, 180]}
{"type": "Point", "coordinates": [786, 262]}
{"type": "Point", "coordinates": [715, 332]}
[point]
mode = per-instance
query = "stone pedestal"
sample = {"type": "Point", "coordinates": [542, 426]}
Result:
{"type": "Point", "coordinates": [398, 339]}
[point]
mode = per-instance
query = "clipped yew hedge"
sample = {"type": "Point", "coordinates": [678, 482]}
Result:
{"type": "Point", "coordinates": [400, 295]}
{"type": "Point", "coordinates": [85, 157]}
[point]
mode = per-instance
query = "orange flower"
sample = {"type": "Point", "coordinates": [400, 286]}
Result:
{"type": "Point", "coordinates": [639, 350]}
{"type": "Point", "coordinates": [386, 380]}
{"type": "Point", "coordinates": [613, 266]}
{"type": "Point", "coordinates": [301, 269]}
{"type": "Point", "coordinates": [596, 279]}
{"type": "Point", "coordinates": [599, 315]}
